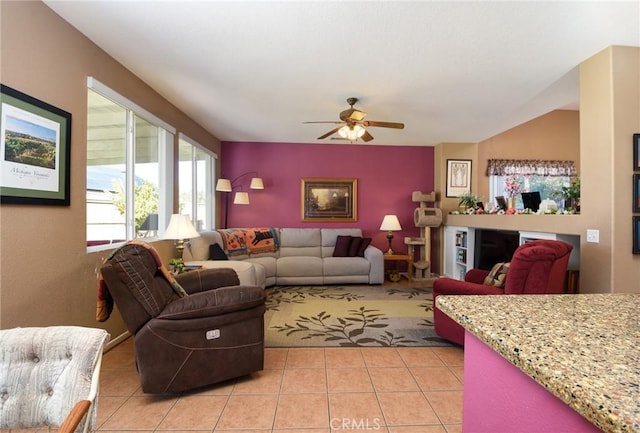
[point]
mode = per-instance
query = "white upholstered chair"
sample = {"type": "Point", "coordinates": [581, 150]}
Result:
{"type": "Point", "coordinates": [49, 377]}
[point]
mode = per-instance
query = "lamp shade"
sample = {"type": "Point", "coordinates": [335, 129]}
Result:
{"type": "Point", "coordinates": [256, 183]}
{"type": "Point", "coordinates": [390, 223]}
{"type": "Point", "coordinates": [223, 185]}
{"type": "Point", "coordinates": [180, 227]}
{"type": "Point", "coordinates": [241, 197]}
{"type": "Point", "coordinates": [351, 133]}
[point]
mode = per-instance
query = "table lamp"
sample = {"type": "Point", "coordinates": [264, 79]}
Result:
{"type": "Point", "coordinates": [179, 229]}
{"type": "Point", "coordinates": [391, 224]}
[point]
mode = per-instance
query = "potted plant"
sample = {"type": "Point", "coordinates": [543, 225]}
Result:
{"type": "Point", "coordinates": [468, 201]}
{"type": "Point", "coordinates": [571, 195]}
{"type": "Point", "coordinates": [177, 266]}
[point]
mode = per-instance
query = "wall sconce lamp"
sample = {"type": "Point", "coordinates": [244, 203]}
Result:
{"type": "Point", "coordinates": [391, 224]}
{"type": "Point", "coordinates": [241, 197]}
{"type": "Point", "coordinates": [179, 229]}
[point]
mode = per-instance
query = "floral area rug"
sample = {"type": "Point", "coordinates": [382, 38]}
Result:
{"type": "Point", "coordinates": [350, 315]}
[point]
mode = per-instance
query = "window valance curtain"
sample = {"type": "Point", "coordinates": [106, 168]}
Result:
{"type": "Point", "coordinates": [524, 167]}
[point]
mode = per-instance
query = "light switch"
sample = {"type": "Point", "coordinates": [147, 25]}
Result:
{"type": "Point", "coordinates": [593, 236]}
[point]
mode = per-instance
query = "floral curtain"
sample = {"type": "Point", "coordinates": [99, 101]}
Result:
{"type": "Point", "coordinates": [523, 167]}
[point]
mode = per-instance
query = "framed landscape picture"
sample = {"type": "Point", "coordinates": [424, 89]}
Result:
{"type": "Point", "coordinates": [636, 152]}
{"type": "Point", "coordinates": [636, 193]}
{"type": "Point", "coordinates": [636, 234]}
{"type": "Point", "coordinates": [35, 154]}
{"type": "Point", "coordinates": [458, 177]}
{"type": "Point", "coordinates": [329, 200]}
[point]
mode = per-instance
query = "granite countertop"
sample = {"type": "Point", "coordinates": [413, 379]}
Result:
{"type": "Point", "coordinates": [585, 349]}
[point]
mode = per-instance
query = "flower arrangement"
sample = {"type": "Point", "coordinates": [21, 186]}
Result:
{"type": "Point", "coordinates": [512, 186]}
{"type": "Point", "coordinates": [573, 190]}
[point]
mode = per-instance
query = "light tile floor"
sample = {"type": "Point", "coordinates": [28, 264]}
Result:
{"type": "Point", "coordinates": [300, 390]}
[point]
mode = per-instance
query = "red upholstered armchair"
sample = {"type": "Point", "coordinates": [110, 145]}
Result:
{"type": "Point", "coordinates": [536, 267]}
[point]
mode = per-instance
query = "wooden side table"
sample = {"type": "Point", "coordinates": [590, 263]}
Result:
{"type": "Point", "coordinates": [401, 258]}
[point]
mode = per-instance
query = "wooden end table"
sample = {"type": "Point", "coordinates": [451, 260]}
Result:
{"type": "Point", "coordinates": [401, 258]}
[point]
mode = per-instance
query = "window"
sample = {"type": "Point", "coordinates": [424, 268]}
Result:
{"type": "Point", "coordinates": [546, 177]}
{"type": "Point", "coordinates": [129, 175]}
{"type": "Point", "coordinates": [196, 171]}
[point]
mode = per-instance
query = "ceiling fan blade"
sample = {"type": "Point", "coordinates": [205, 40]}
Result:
{"type": "Point", "coordinates": [335, 122]}
{"type": "Point", "coordinates": [333, 131]}
{"type": "Point", "coordinates": [383, 124]}
{"type": "Point", "coordinates": [366, 136]}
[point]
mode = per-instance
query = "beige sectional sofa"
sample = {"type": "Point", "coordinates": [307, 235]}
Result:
{"type": "Point", "coordinates": [299, 256]}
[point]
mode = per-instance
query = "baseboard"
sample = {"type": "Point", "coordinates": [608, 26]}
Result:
{"type": "Point", "coordinates": [115, 341]}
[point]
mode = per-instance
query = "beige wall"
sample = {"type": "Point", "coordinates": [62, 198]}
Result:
{"type": "Point", "coordinates": [443, 152]}
{"type": "Point", "coordinates": [553, 136]}
{"type": "Point", "coordinates": [609, 116]}
{"type": "Point", "coordinates": [46, 275]}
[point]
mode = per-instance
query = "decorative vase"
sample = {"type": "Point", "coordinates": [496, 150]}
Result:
{"type": "Point", "coordinates": [511, 203]}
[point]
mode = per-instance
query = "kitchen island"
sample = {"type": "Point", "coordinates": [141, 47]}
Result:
{"type": "Point", "coordinates": [567, 363]}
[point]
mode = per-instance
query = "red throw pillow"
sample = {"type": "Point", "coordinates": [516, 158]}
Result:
{"type": "Point", "coordinates": [364, 243]}
{"type": "Point", "coordinates": [342, 246]}
{"type": "Point", "coordinates": [354, 246]}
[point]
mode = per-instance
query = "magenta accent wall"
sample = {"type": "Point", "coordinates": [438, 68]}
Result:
{"type": "Point", "coordinates": [387, 175]}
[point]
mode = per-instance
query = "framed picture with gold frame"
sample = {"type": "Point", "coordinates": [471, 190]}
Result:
{"type": "Point", "coordinates": [329, 200]}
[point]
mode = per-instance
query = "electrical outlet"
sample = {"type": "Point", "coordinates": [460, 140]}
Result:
{"type": "Point", "coordinates": [593, 236]}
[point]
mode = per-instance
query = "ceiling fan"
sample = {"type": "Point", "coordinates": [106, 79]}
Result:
{"type": "Point", "coordinates": [352, 124]}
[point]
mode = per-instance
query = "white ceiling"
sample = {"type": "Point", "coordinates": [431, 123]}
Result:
{"type": "Point", "coordinates": [451, 71]}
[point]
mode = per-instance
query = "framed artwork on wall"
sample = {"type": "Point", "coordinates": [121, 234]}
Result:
{"type": "Point", "coordinates": [636, 193]}
{"type": "Point", "coordinates": [458, 177]}
{"type": "Point", "coordinates": [35, 150]}
{"type": "Point", "coordinates": [636, 235]}
{"type": "Point", "coordinates": [636, 152]}
{"type": "Point", "coordinates": [329, 200]}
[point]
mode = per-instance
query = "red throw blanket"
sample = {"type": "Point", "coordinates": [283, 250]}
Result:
{"type": "Point", "coordinates": [105, 301]}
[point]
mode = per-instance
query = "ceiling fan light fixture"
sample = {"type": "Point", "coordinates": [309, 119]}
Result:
{"type": "Point", "coordinates": [351, 132]}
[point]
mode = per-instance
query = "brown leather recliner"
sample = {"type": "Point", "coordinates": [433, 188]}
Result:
{"type": "Point", "coordinates": [214, 333]}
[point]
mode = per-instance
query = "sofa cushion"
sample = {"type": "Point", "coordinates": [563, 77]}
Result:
{"type": "Point", "coordinates": [497, 275]}
{"type": "Point", "coordinates": [300, 242]}
{"type": "Point", "coordinates": [364, 243]}
{"type": "Point", "coordinates": [354, 246]}
{"type": "Point", "coordinates": [297, 266]}
{"type": "Point", "coordinates": [268, 263]}
{"type": "Point", "coordinates": [330, 237]}
{"type": "Point", "coordinates": [343, 246]}
{"type": "Point", "coordinates": [217, 253]}
{"type": "Point", "coordinates": [345, 266]}
{"type": "Point", "coordinates": [198, 248]}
